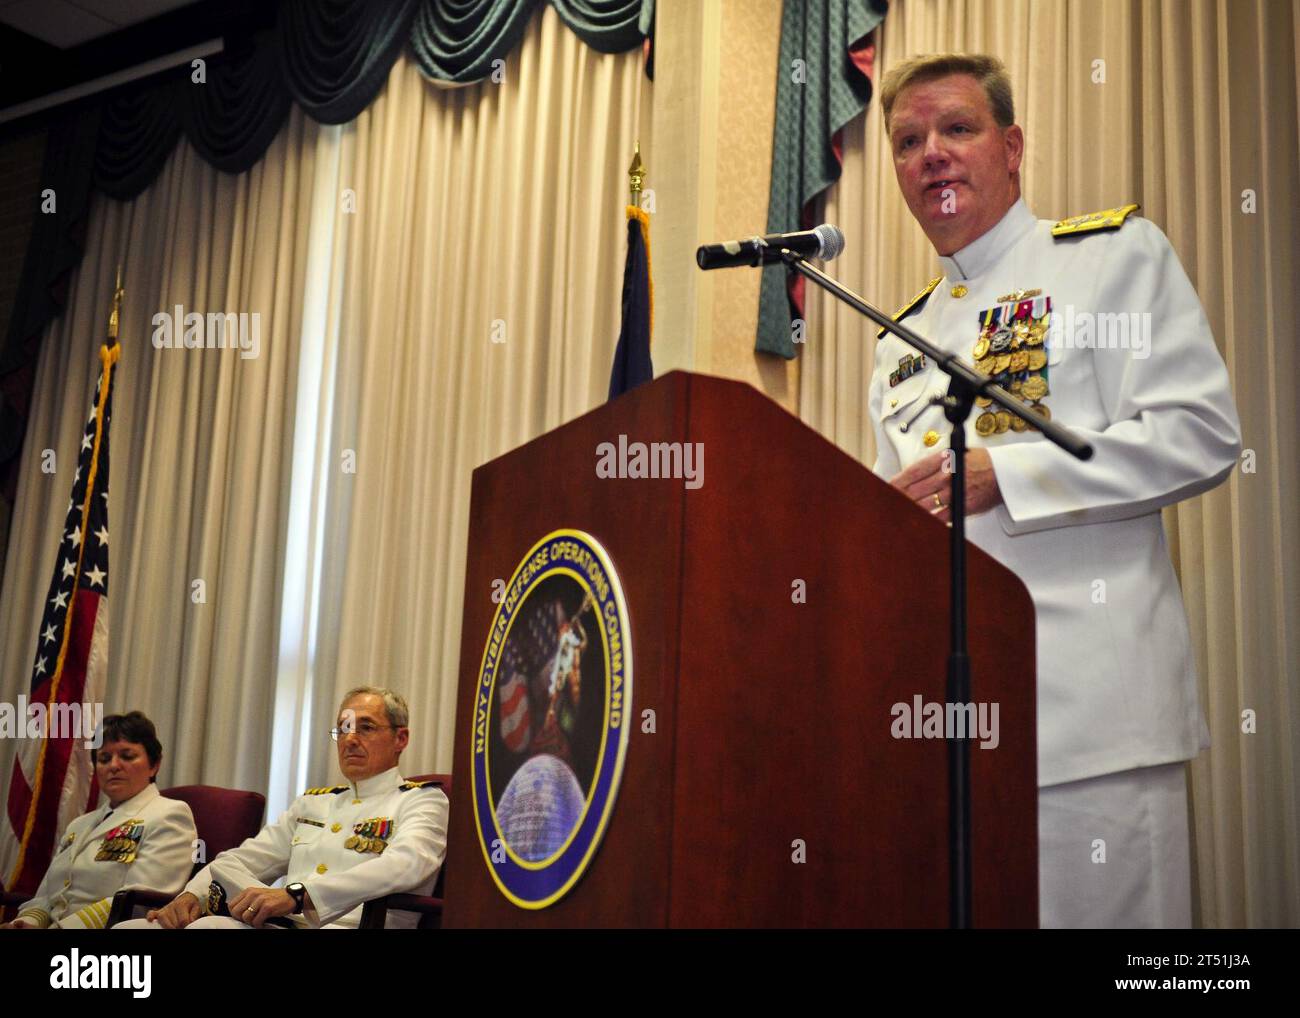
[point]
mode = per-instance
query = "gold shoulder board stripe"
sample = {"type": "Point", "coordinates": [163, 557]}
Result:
{"type": "Point", "coordinates": [331, 790]}
{"type": "Point", "coordinates": [914, 303]}
{"type": "Point", "coordinates": [406, 786]}
{"type": "Point", "coordinates": [1106, 219]}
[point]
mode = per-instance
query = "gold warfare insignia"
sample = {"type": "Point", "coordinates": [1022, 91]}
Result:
{"type": "Point", "coordinates": [1106, 219]}
{"type": "Point", "coordinates": [916, 302]}
{"type": "Point", "coordinates": [1011, 348]}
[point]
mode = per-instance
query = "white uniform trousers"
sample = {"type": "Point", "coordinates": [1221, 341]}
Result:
{"type": "Point", "coordinates": [1113, 851]}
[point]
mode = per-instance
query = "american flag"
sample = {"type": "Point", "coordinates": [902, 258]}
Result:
{"type": "Point", "coordinates": [52, 781]}
{"type": "Point", "coordinates": [527, 659]}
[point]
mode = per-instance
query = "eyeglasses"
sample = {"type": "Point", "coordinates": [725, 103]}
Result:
{"type": "Point", "coordinates": [365, 730]}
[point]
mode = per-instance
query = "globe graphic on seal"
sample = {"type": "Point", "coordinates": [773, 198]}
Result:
{"type": "Point", "coordinates": [540, 808]}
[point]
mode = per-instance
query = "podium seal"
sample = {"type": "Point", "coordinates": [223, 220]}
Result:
{"type": "Point", "coordinates": [550, 718]}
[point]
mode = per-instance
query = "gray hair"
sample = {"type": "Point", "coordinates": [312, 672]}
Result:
{"type": "Point", "coordinates": [399, 714]}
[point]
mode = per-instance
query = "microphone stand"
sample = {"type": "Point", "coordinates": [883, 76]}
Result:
{"type": "Point", "coordinates": [964, 385]}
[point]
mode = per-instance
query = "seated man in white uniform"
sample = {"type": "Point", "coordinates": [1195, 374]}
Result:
{"type": "Point", "coordinates": [1094, 321]}
{"type": "Point", "coordinates": [337, 847]}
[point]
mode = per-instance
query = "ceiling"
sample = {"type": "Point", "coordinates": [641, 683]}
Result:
{"type": "Point", "coordinates": [68, 23]}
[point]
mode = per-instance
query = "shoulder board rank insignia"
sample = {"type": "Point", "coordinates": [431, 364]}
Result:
{"type": "Point", "coordinates": [1106, 219]}
{"type": "Point", "coordinates": [328, 790]}
{"type": "Point", "coordinates": [406, 786]}
{"type": "Point", "coordinates": [913, 304]}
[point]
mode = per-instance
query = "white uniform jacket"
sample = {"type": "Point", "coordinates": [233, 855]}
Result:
{"type": "Point", "coordinates": [329, 840]}
{"type": "Point", "coordinates": [147, 842]}
{"type": "Point", "coordinates": [1116, 676]}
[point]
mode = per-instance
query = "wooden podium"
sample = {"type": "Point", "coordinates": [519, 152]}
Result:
{"type": "Point", "coordinates": [771, 792]}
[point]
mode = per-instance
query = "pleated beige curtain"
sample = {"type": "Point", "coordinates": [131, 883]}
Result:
{"type": "Point", "coordinates": [476, 308]}
{"type": "Point", "coordinates": [438, 282]}
{"type": "Point", "coordinates": [1196, 118]}
{"type": "Point", "coordinates": [200, 443]}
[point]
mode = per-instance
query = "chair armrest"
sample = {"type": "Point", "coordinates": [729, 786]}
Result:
{"type": "Point", "coordinates": [126, 902]}
{"type": "Point", "coordinates": [373, 913]}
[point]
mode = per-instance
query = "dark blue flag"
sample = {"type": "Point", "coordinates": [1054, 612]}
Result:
{"type": "Point", "coordinates": [632, 357]}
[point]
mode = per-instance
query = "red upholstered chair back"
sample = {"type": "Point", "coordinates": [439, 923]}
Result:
{"type": "Point", "coordinates": [443, 781]}
{"type": "Point", "coordinates": [223, 816]}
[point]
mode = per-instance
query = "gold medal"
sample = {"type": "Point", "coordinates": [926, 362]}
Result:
{"type": "Point", "coordinates": [351, 842]}
{"type": "Point", "coordinates": [1037, 359]}
{"type": "Point", "coordinates": [1016, 386]}
{"type": "Point", "coordinates": [1035, 387]}
{"type": "Point", "coordinates": [986, 424]}
{"type": "Point", "coordinates": [986, 364]}
{"type": "Point", "coordinates": [1003, 362]}
{"type": "Point", "coordinates": [1019, 361]}
{"type": "Point", "coordinates": [982, 401]}
{"type": "Point", "coordinates": [1002, 420]}
{"type": "Point", "coordinates": [981, 348]}
{"type": "Point", "coordinates": [1017, 424]}
{"type": "Point", "coordinates": [1041, 410]}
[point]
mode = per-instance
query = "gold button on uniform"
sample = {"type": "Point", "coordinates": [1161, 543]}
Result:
{"type": "Point", "coordinates": [893, 403]}
{"type": "Point", "coordinates": [931, 437]}
{"type": "Point", "coordinates": [321, 868]}
{"type": "Point", "coordinates": [959, 291]}
{"type": "Point", "coordinates": [336, 828]}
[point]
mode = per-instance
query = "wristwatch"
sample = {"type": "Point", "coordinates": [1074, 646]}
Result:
{"type": "Point", "coordinates": [297, 892]}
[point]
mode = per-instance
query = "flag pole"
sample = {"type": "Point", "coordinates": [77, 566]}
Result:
{"type": "Point", "coordinates": [636, 176]}
{"type": "Point", "coordinates": [118, 294]}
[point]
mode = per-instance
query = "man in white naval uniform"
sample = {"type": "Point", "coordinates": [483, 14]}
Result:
{"type": "Point", "coordinates": [1034, 304]}
{"type": "Point", "coordinates": [338, 847]}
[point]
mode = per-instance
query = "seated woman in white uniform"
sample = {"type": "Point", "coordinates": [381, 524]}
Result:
{"type": "Point", "coordinates": [135, 838]}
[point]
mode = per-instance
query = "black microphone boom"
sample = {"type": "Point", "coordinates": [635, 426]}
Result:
{"type": "Point", "coordinates": [825, 242]}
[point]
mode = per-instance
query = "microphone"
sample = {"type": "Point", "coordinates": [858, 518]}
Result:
{"type": "Point", "coordinates": [826, 241]}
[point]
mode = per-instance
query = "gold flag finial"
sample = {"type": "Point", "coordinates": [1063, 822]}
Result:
{"type": "Point", "coordinates": [118, 294]}
{"type": "Point", "coordinates": [636, 174]}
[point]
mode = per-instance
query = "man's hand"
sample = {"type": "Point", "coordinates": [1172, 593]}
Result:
{"type": "Point", "coordinates": [177, 913]}
{"type": "Point", "coordinates": [926, 478]}
{"type": "Point", "coordinates": [19, 924]}
{"type": "Point", "coordinates": [255, 905]}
